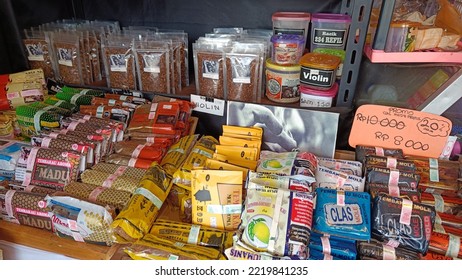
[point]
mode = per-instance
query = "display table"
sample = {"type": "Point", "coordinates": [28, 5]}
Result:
{"type": "Point", "coordinates": [47, 241]}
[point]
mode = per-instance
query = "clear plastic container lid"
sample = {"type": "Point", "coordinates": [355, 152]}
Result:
{"type": "Point", "coordinates": [295, 16]}
{"type": "Point", "coordinates": [326, 17]}
{"type": "Point", "coordinates": [320, 61]}
{"type": "Point", "coordinates": [288, 39]}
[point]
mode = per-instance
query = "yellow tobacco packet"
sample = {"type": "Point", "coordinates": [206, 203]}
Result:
{"type": "Point", "coordinates": [250, 164]}
{"type": "Point", "coordinates": [241, 130]}
{"type": "Point", "coordinates": [237, 152]}
{"type": "Point", "coordinates": [217, 198]}
{"type": "Point", "coordinates": [152, 247]}
{"type": "Point", "coordinates": [202, 150]}
{"type": "Point", "coordinates": [192, 234]}
{"type": "Point", "coordinates": [232, 141]}
{"type": "Point", "coordinates": [219, 165]}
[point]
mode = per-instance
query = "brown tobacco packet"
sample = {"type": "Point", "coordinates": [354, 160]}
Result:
{"type": "Point", "coordinates": [442, 243]}
{"type": "Point", "coordinates": [361, 151]}
{"type": "Point", "coordinates": [390, 162]}
{"type": "Point", "coordinates": [438, 174]}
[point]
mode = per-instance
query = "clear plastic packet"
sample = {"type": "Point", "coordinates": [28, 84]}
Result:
{"type": "Point", "coordinates": [119, 62]}
{"type": "Point", "coordinates": [39, 51]}
{"type": "Point", "coordinates": [153, 66]}
{"type": "Point", "coordinates": [68, 57]}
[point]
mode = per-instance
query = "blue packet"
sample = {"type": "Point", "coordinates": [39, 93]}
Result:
{"type": "Point", "coordinates": [316, 255]}
{"type": "Point", "coordinates": [339, 247]}
{"type": "Point", "coordinates": [351, 221]}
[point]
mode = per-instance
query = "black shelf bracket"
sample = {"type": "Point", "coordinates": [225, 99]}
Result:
{"type": "Point", "coordinates": [360, 11]}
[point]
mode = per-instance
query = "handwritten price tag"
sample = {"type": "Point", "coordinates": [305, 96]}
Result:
{"type": "Point", "coordinates": [416, 133]}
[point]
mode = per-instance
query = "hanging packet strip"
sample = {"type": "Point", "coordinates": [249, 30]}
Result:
{"type": "Point", "coordinates": [349, 221]}
{"type": "Point", "coordinates": [389, 224]}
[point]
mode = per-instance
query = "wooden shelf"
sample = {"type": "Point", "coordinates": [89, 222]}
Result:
{"type": "Point", "coordinates": [47, 241]}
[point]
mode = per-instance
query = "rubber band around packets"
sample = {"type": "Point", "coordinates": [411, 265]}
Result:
{"type": "Point", "coordinates": [100, 111]}
{"type": "Point", "coordinates": [379, 151]}
{"type": "Point", "coordinates": [325, 242]}
{"type": "Point", "coordinates": [152, 111]}
{"type": "Point", "coordinates": [150, 196]}
{"type": "Point", "coordinates": [389, 252]}
{"type": "Point", "coordinates": [439, 202]}
{"type": "Point", "coordinates": [120, 170]}
{"type": "Point", "coordinates": [8, 202]}
{"type": "Point", "coordinates": [76, 96]}
{"type": "Point", "coordinates": [341, 197]}
{"type": "Point", "coordinates": [453, 247]}
{"type": "Point", "coordinates": [37, 115]}
{"type": "Point", "coordinates": [109, 181]}
{"type": "Point", "coordinates": [393, 179]}
{"type": "Point", "coordinates": [95, 193]}
{"type": "Point", "coordinates": [137, 151]}
{"type": "Point", "coordinates": [328, 257]}
{"type": "Point", "coordinates": [406, 212]}
{"type": "Point", "coordinates": [392, 162]}
{"type": "Point", "coordinates": [194, 234]}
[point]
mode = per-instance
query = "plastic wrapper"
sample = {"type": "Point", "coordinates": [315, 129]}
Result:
{"type": "Point", "coordinates": [444, 204]}
{"type": "Point", "coordinates": [390, 162]}
{"type": "Point", "coordinates": [278, 163]}
{"type": "Point", "coordinates": [117, 113]}
{"type": "Point", "coordinates": [116, 199]}
{"type": "Point", "coordinates": [446, 244]}
{"type": "Point", "coordinates": [80, 220]}
{"type": "Point", "coordinates": [32, 119]}
{"type": "Point", "coordinates": [380, 251]}
{"type": "Point", "coordinates": [109, 180]}
{"type": "Point", "coordinates": [337, 247]}
{"type": "Point", "coordinates": [112, 102]}
{"type": "Point", "coordinates": [438, 175]}
{"type": "Point", "coordinates": [296, 183]}
{"type": "Point", "coordinates": [52, 168]}
{"type": "Point", "coordinates": [148, 151]}
{"type": "Point", "coordinates": [153, 62]}
{"type": "Point", "coordinates": [362, 151]}
{"type": "Point", "coordinates": [10, 153]}
{"type": "Point", "coordinates": [202, 150]}
{"type": "Point", "coordinates": [346, 166]}
{"type": "Point", "coordinates": [127, 98]}
{"type": "Point", "coordinates": [269, 225]}
{"type": "Point", "coordinates": [333, 179]}
{"type": "Point", "coordinates": [343, 214]}
{"type": "Point", "coordinates": [119, 62]}
{"type": "Point", "coordinates": [78, 96]}
{"type": "Point", "coordinates": [25, 208]}
{"type": "Point", "coordinates": [133, 172]}
{"type": "Point", "coordinates": [135, 220]}
{"type": "Point", "coordinates": [39, 51]}
{"type": "Point", "coordinates": [52, 100]}
{"type": "Point", "coordinates": [402, 222]}
{"type": "Point", "coordinates": [216, 198]}
{"type": "Point", "coordinates": [389, 176]}
{"type": "Point", "coordinates": [192, 234]}
{"type": "Point", "coordinates": [151, 247]}
{"type": "Point", "coordinates": [410, 193]}
{"type": "Point", "coordinates": [180, 199]}
{"type": "Point", "coordinates": [129, 161]}
{"type": "Point", "coordinates": [86, 152]}
{"type": "Point", "coordinates": [68, 57]}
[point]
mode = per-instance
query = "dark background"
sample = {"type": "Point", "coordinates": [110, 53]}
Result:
{"type": "Point", "coordinates": [195, 17]}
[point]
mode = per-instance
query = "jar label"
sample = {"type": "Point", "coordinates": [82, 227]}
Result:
{"type": "Point", "coordinates": [316, 77]}
{"type": "Point", "coordinates": [329, 37]}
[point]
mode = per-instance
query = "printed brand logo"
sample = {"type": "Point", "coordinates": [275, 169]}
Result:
{"type": "Point", "coordinates": [314, 77]}
{"type": "Point", "coordinates": [34, 221]}
{"type": "Point", "coordinates": [398, 231]}
{"type": "Point", "coordinates": [52, 174]}
{"type": "Point", "coordinates": [349, 214]}
{"type": "Point", "coordinates": [329, 37]}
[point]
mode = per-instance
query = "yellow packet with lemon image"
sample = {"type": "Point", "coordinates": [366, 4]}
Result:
{"type": "Point", "coordinates": [277, 221]}
{"type": "Point", "coordinates": [278, 163]}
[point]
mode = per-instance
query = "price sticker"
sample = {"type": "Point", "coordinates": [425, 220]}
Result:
{"type": "Point", "coordinates": [416, 133]}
